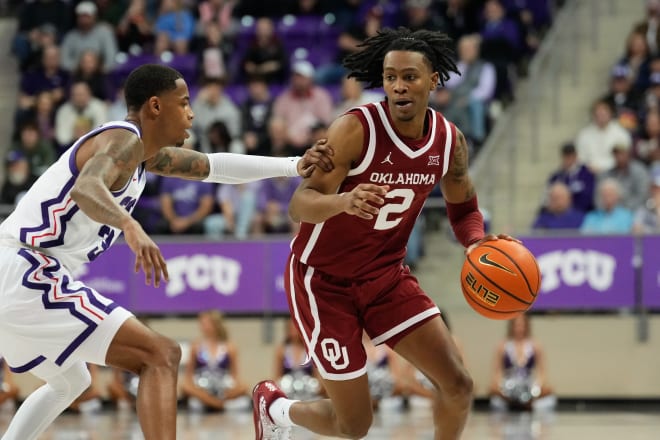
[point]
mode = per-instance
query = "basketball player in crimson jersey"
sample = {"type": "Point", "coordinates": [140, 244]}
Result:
{"type": "Point", "coordinates": [345, 271]}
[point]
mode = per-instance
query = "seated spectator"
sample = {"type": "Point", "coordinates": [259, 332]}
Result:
{"type": "Point", "coordinates": [632, 176]}
{"type": "Point", "coordinates": [471, 90]}
{"type": "Point", "coordinates": [255, 114]}
{"type": "Point", "coordinates": [501, 45]}
{"type": "Point", "coordinates": [594, 142]}
{"type": "Point", "coordinates": [460, 17]}
{"type": "Point", "coordinates": [88, 35]}
{"type": "Point", "coordinates": [294, 372]}
{"type": "Point", "coordinates": [649, 26]}
{"type": "Point", "coordinates": [273, 205]}
{"type": "Point", "coordinates": [577, 176]}
{"type": "Point", "coordinates": [185, 204]}
{"type": "Point", "coordinates": [213, 52]}
{"type": "Point", "coordinates": [302, 105]}
{"type": "Point", "coordinates": [610, 216]}
{"type": "Point", "coordinates": [174, 28]}
{"type": "Point", "coordinates": [623, 98]}
{"type": "Point", "coordinates": [90, 400]}
{"type": "Point", "coordinates": [354, 95]}
{"type": "Point", "coordinates": [237, 208]}
{"type": "Point", "coordinates": [147, 210]}
{"type": "Point", "coordinates": [647, 146]}
{"type": "Point", "coordinates": [89, 70]}
{"type": "Point", "coordinates": [211, 376]}
{"type": "Point", "coordinates": [80, 104]}
{"type": "Point", "coordinates": [647, 217]}
{"type": "Point", "coordinates": [19, 178]}
{"type": "Point", "coordinates": [652, 96]}
{"type": "Point", "coordinates": [520, 371]}
{"type": "Point", "coordinates": [135, 30]}
{"type": "Point", "coordinates": [419, 14]}
{"type": "Point", "coordinates": [47, 77]}
{"type": "Point", "coordinates": [349, 38]}
{"type": "Point", "coordinates": [43, 115]}
{"type": "Point", "coordinates": [277, 141]}
{"type": "Point", "coordinates": [219, 14]}
{"type": "Point", "coordinates": [220, 141]}
{"type": "Point", "coordinates": [8, 389]}
{"type": "Point", "coordinates": [637, 59]}
{"type": "Point", "coordinates": [212, 104]}
{"type": "Point", "coordinates": [39, 20]}
{"type": "Point", "coordinates": [383, 371]}
{"type": "Point", "coordinates": [558, 212]}
{"type": "Point", "coordinates": [266, 55]}
{"type": "Point", "coordinates": [39, 152]}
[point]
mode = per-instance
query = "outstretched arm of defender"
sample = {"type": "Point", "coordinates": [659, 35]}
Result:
{"type": "Point", "coordinates": [317, 198]}
{"type": "Point", "coordinates": [237, 168]}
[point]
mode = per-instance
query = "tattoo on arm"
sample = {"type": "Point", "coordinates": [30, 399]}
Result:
{"type": "Point", "coordinates": [458, 169]}
{"type": "Point", "coordinates": [179, 162]}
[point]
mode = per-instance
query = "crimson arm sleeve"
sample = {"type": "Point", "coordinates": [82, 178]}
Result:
{"type": "Point", "coordinates": [466, 221]}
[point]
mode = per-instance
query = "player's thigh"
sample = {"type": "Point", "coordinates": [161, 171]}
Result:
{"type": "Point", "coordinates": [135, 345]}
{"type": "Point", "coordinates": [325, 314]}
{"type": "Point", "coordinates": [431, 348]}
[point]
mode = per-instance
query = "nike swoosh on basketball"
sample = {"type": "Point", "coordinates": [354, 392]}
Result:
{"type": "Point", "coordinates": [485, 260]}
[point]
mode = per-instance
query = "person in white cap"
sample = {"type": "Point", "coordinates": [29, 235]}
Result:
{"type": "Point", "coordinates": [303, 104]}
{"type": "Point", "coordinates": [88, 35]}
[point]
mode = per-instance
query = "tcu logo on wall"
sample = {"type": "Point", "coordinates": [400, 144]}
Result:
{"type": "Point", "coordinates": [335, 354]}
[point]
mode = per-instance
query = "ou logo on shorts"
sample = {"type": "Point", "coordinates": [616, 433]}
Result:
{"type": "Point", "coordinates": [335, 353]}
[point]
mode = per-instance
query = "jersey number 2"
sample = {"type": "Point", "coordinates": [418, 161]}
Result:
{"type": "Point", "coordinates": [387, 211]}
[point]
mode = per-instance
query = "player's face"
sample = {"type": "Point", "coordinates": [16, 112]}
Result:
{"type": "Point", "coordinates": [407, 80]}
{"type": "Point", "coordinates": [176, 114]}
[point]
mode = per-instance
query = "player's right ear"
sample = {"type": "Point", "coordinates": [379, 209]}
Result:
{"type": "Point", "coordinates": [154, 105]}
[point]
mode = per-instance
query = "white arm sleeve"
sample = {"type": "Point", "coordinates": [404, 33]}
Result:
{"type": "Point", "coordinates": [241, 168]}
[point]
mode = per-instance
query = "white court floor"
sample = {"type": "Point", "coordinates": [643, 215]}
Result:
{"type": "Point", "coordinates": [388, 425]}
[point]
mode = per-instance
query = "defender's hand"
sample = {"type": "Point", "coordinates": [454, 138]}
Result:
{"type": "Point", "coordinates": [364, 200]}
{"type": "Point", "coordinates": [147, 254]}
{"type": "Point", "coordinates": [318, 155]}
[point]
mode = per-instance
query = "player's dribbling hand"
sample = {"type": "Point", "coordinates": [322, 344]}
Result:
{"type": "Point", "coordinates": [364, 200]}
{"type": "Point", "coordinates": [318, 155]}
{"type": "Point", "coordinates": [147, 254]}
{"type": "Point", "coordinates": [490, 237]}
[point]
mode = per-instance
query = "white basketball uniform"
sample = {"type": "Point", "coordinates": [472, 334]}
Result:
{"type": "Point", "coordinates": [47, 320]}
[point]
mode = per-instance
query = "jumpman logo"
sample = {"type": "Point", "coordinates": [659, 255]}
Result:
{"type": "Point", "coordinates": [387, 159]}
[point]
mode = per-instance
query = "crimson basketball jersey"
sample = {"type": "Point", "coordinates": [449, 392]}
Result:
{"type": "Point", "coordinates": [353, 247]}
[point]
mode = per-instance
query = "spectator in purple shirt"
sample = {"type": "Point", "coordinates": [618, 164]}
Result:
{"type": "Point", "coordinates": [274, 202]}
{"type": "Point", "coordinates": [577, 176]}
{"type": "Point", "coordinates": [48, 77]}
{"type": "Point", "coordinates": [558, 213]}
{"type": "Point", "coordinates": [185, 203]}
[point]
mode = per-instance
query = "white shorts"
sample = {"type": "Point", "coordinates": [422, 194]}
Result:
{"type": "Point", "coordinates": [48, 321]}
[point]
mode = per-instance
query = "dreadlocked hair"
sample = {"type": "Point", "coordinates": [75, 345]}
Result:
{"type": "Point", "coordinates": [366, 65]}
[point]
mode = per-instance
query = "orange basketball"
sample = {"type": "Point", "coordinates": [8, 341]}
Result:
{"type": "Point", "coordinates": [500, 279]}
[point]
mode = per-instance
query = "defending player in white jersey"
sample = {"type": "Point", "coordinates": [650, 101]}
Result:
{"type": "Point", "coordinates": [51, 324]}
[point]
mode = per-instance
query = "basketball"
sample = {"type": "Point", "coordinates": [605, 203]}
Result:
{"type": "Point", "coordinates": [500, 279]}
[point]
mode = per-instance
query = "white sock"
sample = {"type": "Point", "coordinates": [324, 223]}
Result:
{"type": "Point", "coordinates": [279, 411]}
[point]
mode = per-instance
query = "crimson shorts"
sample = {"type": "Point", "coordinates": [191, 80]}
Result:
{"type": "Point", "coordinates": [331, 313]}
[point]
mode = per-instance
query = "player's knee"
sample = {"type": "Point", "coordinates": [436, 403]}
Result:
{"type": "Point", "coordinates": [357, 427]}
{"type": "Point", "coordinates": [167, 354]}
{"type": "Point", "coordinates": [460, 388]}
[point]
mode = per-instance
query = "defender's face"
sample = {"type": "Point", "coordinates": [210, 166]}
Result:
{"type": "Point", "coordinates": [407, 81]}
{"type": "Point", "coordinates": [176, 115]}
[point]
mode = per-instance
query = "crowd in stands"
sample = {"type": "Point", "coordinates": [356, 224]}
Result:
{"type": "Point", "coordinates": [609, 177]}
{"type": "Point", "coordinates": [265, 78]}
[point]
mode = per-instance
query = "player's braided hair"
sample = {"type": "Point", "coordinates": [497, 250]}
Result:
{"type": "Point", "coordinates": [366, 65]}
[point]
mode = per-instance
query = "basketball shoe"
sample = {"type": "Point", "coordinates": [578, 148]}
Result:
{"type": "Point", "coordinates": [263, 395]}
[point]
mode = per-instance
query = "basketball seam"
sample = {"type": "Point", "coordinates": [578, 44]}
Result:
{"type": "Point", "coordinates": [468, 296]}
{"type": "Point", "coordinates": [497, 285]}
{"type": "Point", "coordinates": [520, 271]}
